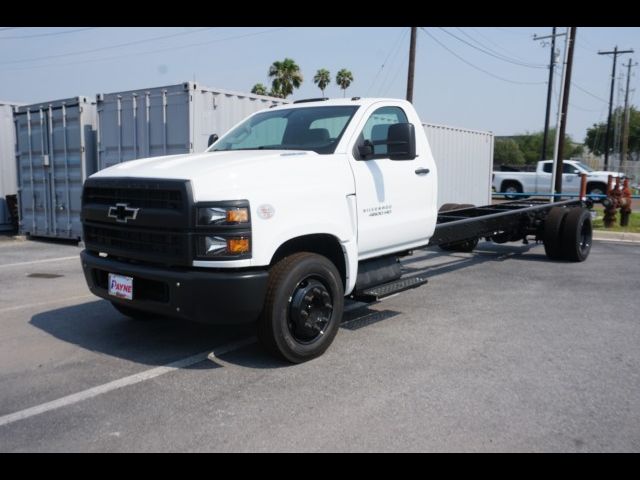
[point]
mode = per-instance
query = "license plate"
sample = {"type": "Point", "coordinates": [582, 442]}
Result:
{"type": "Point", "coordinates": [121, 286]}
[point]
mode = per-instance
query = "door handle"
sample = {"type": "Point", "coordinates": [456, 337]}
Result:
{"type": "Point", "coordinates": [422, 171]}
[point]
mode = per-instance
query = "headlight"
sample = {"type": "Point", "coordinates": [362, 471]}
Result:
{"type": "Point", "coordinates": [212, 246]}
{"type": "Point", "coordinates": [223, 215]}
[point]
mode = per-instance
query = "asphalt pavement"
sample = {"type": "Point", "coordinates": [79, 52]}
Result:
{"type": "Point", "coordinates": [503, 350]}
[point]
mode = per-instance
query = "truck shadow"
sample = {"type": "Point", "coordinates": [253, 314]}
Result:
{"type": "Point", "coordinates": [436, 262]}
{"type": "Point", "coordinates": [97, 327]}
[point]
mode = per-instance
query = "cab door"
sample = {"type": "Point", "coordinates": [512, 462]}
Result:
{"type": "Point", "coordinates": [395, 199]}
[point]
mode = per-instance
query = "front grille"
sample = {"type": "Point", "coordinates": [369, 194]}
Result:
{"type": "Point", "coordinates": [160, 231]}
{"type": "Point", "coordinates": [126, 239]}
{"type": "Point", "coordinates": [136, 196]}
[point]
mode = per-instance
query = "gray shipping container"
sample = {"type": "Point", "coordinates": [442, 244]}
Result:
{"type": "Point", "coordinates": [168, 120]}
{"type": "Point", "coordinates": [56, 152]}
{"type": "Point", "coordinates": [465, 160]}
{"type": "Point", "coordinates": [7, 162]}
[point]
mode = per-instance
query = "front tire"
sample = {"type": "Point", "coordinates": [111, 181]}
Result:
{"type": "Point", "coordinates": [303, 307]}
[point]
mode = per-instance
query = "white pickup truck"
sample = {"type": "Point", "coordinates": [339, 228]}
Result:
{"type": "Point", "coordinates": [291, 211]}
{"type": "Point", "coordinates": [522, 184]}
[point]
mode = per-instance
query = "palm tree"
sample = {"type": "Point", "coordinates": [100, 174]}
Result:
{"type": "Point", "coordinates": [259, 89]}
{"type": "Point", "coordinates": [344, 79]}
{"type": "Point", "coordinates": [286, 76]}
{"type": "Point", "coordinates": [322, 79]}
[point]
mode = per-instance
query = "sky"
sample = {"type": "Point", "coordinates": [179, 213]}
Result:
{"type": "Point", "coordinates": [489, 78]}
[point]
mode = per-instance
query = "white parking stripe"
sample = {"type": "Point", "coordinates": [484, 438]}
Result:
{"type": "Point", "coordinates": [46, 260]}
{"type": "Point", "coordinates": [123, 382]}
{"type": "Point", "coordinates": [42, 304]}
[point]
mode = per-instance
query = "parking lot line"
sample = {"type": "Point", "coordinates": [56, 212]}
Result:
{"type": "Point", "coordinates": [42, 304]}
{"type": "Point", "coordinates": [124, 382]}
{"type": "Point", "coordinates": [46, 260]}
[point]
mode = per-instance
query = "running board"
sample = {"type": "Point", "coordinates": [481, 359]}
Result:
{"type": "Point", "coordinates": [374, 294]}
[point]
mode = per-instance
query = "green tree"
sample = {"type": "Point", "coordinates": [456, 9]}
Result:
{"type": "Point", "coordinates": [596, 134]}
{"type": "Point", "coordinates": [322, 79]}
{"type": "Point", "coordinates": [507, 152]}
{"type": "Point", "coordinates": [344, 78]}
{"type": "Point", "coordinates": [530, 145]}
{"type": "Point", "coordinates": [259, 89]}
{"type": "Point", "coordinates": [286, 76]}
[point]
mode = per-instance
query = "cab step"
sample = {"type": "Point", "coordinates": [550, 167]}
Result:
{"type": "Point", "coordinates": [373, 294]}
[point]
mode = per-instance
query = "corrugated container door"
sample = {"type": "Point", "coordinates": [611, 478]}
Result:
{"type": "Point", "coordinates": [33, 171]}
{"type": "Point", "coordinates": [68, 142]}
{"type": "Point", "coordinates": [8, 176]}
{"type": "Point", "coordinates": [55, 153]}
{"type": "Point", "coordinates": [145, 123]}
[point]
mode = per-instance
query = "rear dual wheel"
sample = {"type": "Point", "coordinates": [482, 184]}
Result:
{"type": "Point", "coordinates": [568, 234]}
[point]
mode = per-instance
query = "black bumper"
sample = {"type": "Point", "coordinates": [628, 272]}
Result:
{"type": "Point", "coordinates": [201, 295]}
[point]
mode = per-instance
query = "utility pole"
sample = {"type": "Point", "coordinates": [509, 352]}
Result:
{"type": "Point", "coordinates": [552, 63]}
{"type": "Point", "coordinates": [615, 54]}
{"type": "Point", "coordinates": [412, 63]}
{"type": "Point", "coordinates": [565, 106]}
{"type": "Point", "coordinates": [625, 130]}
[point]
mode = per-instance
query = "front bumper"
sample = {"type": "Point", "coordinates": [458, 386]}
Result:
{"type": "Point", "coordinates": [206, 296]}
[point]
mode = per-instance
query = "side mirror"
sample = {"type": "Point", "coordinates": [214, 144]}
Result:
{"type": "Point", "coordinates": [401, 141]}
{"type": "Point", "coordinates": [365, 150]}
{"type": "Point", "coordinates": [212, 139]}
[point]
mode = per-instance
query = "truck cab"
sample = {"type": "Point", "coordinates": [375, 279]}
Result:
{"type": "Point", "coordinates": [290, 211]}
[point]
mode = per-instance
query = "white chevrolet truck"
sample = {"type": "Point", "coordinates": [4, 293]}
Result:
{"type": "Point", "coordinates": [516, 184]}
{"type": "Point", "coordinates": [291, 211]}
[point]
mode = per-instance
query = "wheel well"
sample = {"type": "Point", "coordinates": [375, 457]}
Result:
{"type": "Point", "coordinates": [506, 183]}
{"type": "Point", "coordinates": [590, 185]}
{"type": "Point", "coordinates": [323, 244]}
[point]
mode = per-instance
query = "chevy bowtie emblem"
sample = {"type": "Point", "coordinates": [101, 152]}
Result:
{"type": "Point", "coordinates": [122, 212]}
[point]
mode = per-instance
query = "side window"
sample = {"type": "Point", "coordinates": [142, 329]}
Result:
{"type": "Point", "coordinates": [377, 127]}
{"type": "Point", "coordinates": [547, 168]}
{"type": "Point", "coordinates": [566, 168]}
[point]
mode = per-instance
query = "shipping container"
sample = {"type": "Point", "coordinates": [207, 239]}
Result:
{"type": "Point", "coordinates": [465, 161]}
{"type": "Point", "coordinates": [168, 120]}
{"type": "Point", "coordinates": [56, 152]}
{"type": "Point", "coordinates": [8, 183]}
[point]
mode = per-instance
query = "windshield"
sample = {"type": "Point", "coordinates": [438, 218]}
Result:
{"type": "Point", "coordinates": [584, 167]}
{"type": "Point", "coordinates": [313, 128]}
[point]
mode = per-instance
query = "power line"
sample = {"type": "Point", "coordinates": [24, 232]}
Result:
{"type": "Point", "coordinates": [387, 75]}
{"type": "Point", "coordinates": [109, 47]}
{"type": "Point", "coordinates": [118, 57]}
{"type": "Point", "coordinates": [403, 32]}
{"type": "Point", "coordinates": [49, 34]}
{"type": "Point", "coordinates": [486, 50]}
{"type": "Point", "coordinates": [475, 66]}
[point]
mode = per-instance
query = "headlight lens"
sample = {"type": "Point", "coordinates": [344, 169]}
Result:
{"type": "Point", "coordinates": [211, 246]}
{"type": "Point", "coordinates": [223, 215]}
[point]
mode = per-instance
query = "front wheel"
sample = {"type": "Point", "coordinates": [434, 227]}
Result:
{"type": "Point", "coordinates": [303, 307]}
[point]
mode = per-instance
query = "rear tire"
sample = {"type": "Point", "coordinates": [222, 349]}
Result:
{"type": "Point", "coordinates": [577, 235]}
{"type": "Point", "coordinates": [552, 236]}
{"type": "Point", "coordinates": [303, 307]}
{"type": "Point", "coordinates": [134, 313]}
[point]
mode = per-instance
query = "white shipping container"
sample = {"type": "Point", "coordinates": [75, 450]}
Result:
{"type": "Point", "coordinates": [465, 161]}
{"type": "Point", "coordinates": [168, 120]}
{"type": "Point", "coordinates": [8, 183]}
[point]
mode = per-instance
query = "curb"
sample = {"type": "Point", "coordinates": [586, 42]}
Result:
{"type": "Point", "coordinates": [625, 237]}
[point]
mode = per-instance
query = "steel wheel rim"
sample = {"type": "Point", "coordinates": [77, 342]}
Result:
{"type": "Point", "coordinates": [586, 233]}
{"type": "Point", "coordinates": [310, 310]}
